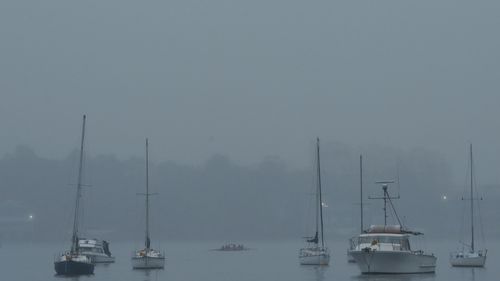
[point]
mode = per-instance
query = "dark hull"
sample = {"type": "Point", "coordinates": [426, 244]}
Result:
{"type": "Point", "coordinates": [73, 268]}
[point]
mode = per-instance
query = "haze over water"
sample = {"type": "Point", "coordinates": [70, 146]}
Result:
{"type": "Point", "coordinates": [232, 95]}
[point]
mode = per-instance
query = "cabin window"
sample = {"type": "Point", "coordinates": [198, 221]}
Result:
{"type": "Point", "coordinates": [402, 242]}
{"type": "Point", "coordinates": [405, 245]}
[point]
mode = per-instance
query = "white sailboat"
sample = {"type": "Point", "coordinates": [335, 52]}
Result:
{"type": "Point", "coordinates": [315, 253]}
{"type": "Point", "coordinates": [148, 258]}
{"type": "Point", "coordinates": [74, 262]}
{"type": "Point", "coordinates": [470, 257]}
{"type": "Point", "coordinates": [385, 249]}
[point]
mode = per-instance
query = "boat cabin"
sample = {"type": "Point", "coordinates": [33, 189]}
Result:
{"type": "Point", "coordinates": [383, 238]}
{"type": "Point", "coordinates": [94, 246]}
{"type": "Point", "coordinates": [383, 242]}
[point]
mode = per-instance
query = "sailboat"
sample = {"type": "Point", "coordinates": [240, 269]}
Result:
{"type": "Point", "coordinates": [315, 253]}
{"type": "Point", "coordinates": [74, 262]}
{"type": "Point", "coordinates": [147, 258]}
{"type": "Point", "coordinates": [471, 257]}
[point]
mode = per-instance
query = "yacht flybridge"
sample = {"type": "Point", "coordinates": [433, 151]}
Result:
{"type": "Point", "coordinates": [316, 253]}
{"type": "Point", "coordinates": [470, 257]}
{"type": "Point", "coordinates": [73, 262]}
{"type": "Point", "coordinates": [148, 258]}
{"type": "Point", "coordinates": [385, 249]}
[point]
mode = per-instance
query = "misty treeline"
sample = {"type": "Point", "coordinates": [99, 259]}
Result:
{"type": "Point", "coordinates": [221, 200]}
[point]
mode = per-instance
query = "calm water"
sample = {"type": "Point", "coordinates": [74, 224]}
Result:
{"type": "Point", "coordinates": [195, 261]}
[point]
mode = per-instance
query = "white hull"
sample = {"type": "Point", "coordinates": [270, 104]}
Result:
{"type": "Point", "coordinates": [148, 262]}
{"type": "Point", "coordinates": [314, 256]}
{"type": "Point", "coordinates": [96, 258]}
{"type": "Point", "coordinates": [468, 260]}
{"type": "Point", "coordinates": [350, 258]}
{"type": "Point", "coordinates": [393, 262]}
{"type": "Point", "coordinates": [315, 260]}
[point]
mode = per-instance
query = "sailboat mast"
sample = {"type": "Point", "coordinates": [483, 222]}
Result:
{"type": "Point", "coordinates": [320, 201]}
{"type": "Point", "coordinates": [74, 239]}
{"type": "Point", "coordinates": [361, 190]}
{"type": "Point", "coordinates": [471, 199]}
{"type": "Point", "coordinates": [147, 242]}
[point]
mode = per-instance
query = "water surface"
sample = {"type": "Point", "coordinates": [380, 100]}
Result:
{"type": "Point", "coordinates": [190, 261]}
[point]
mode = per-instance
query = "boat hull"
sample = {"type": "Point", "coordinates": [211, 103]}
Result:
{"type": "Point", "coordinates": [148, 262]}
{"type": "Point", "coordinates": [350, 259]}
{"type": "Point", "coordinates": [315, 260]}
{"type": "Point", "coordinates": [100, 258]}
{"type": "Point", "coordinates": [71, 267]}
{"type": "Point", "coordinates": [314, 256]}
{"type": "Point", "coordinates": [394, 262]}
{"type": "Point", "coordinates": [468, 261]}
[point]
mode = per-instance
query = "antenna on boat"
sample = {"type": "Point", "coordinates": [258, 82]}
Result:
{"type": "Point", "coordinates": [397, 178]}
{"type": "Point", "coordinates": [387, 199]}
{"type": "Point", "coordinates": [361, 190]}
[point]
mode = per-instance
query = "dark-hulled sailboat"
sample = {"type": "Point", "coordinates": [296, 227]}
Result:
{"type": "Point", "coordinates": [73, 262]}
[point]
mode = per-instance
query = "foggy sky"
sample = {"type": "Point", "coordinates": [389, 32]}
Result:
{"type": "Point", "coordinates": [249, 79]}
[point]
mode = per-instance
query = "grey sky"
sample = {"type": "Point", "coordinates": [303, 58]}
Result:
{"type": "Point", "coordinates": [251, 78]}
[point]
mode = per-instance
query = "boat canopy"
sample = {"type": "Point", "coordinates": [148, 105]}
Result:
{"type": "Point", "coordinates": [391, 229]}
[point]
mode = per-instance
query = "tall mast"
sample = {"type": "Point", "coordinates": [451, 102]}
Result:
{"type": "Point", "coordinates": [147, 242]}
{"type": "Point", "coordinates": [471, 199]}
{"type": "Point", "coordinates": [361, 190]}
{"type": "Point", "coordinates": [320, 202]}
{"type": "Point", "coordinates": [74, 238]}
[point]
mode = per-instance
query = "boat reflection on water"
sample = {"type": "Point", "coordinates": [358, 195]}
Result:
{"type": "Point", "coordinates": [149, 275]}
{"type": "Point", "coordinates": [316, 273]}
{"type": "Point", "coordinates": [396, 277]}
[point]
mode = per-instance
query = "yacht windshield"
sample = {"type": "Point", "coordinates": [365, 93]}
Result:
{"type": "Point", "coordinates": [91, 249]}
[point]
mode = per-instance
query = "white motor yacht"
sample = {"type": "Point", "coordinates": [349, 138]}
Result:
{"type": "Point", "coordinates": [97, 250]}
{"type": "Point", "coordinates": [385, 249]}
